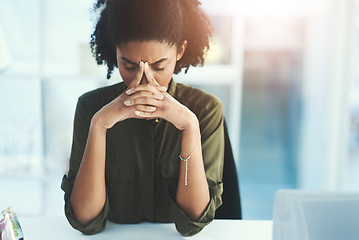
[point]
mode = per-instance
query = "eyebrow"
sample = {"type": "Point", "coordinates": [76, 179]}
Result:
{"type": "Point", "coordinates": [133, 63]}
{"type": "Point", "coordinates": [128, 61]}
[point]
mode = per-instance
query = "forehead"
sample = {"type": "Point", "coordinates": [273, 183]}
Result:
{"type": "Point", "coordinates": [148, 51]}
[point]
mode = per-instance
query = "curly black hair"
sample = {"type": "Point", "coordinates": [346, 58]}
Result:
{"type": "Point", "coordinates": [168, 21]}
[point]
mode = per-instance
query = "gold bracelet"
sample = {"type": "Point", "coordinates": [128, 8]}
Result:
{"type": "Point", "coordinates": [186, 160]}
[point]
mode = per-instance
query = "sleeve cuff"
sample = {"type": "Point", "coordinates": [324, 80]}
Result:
{"type": "Point", "coordinates": [96, 225]}
{"type": "Point", "coordinates": [189, 228]}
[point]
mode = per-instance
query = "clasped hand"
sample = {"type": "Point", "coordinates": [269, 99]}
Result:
{"type": "Point", "coordinates": [145, 101]}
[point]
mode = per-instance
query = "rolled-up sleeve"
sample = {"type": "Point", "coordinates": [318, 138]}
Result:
{"type": "Point", "coordinates": [95, 226]}
{"type": "Point", "coordinates": [186, 226]}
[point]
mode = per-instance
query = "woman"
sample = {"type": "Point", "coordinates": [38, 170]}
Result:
{"type": "Point", "coordinates": [148, 148]}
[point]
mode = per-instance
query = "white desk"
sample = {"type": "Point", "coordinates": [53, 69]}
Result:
{"type": "Point", "coordinates": [55, 228]}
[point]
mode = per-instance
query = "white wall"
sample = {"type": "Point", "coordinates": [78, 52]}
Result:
{"type": "Point", "coordinates": [326, 85]}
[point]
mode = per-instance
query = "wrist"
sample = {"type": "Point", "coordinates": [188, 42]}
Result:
{"type": "Point", "coordinates": [96, 124]}
{"type": "Point", "coordinates": [191, 122]}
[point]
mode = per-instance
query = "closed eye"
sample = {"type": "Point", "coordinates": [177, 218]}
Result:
{"type": "Point", "coordinates": [134, 68]}
{"type": "Point", "coordinates": [158, 69]}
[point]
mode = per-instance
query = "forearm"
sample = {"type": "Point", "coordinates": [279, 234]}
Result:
{"type": "Point", "coordinates": [88, 195]}
{"type": "Point", "coordinates": [194, 197]}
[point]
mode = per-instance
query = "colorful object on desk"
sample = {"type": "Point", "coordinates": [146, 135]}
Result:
{"type": "Point", "coordinates": [9, 226]}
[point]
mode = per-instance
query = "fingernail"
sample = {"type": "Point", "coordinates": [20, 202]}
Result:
{"type": "Point", "coordinates": [146, 65]}
{"type": "Point", "coordinates": [127, 103]}
{"type": "Point", "coordinates": [152, 108]}
{"type": "Point", "coordinates": [138, 113]}
{"type": "Point", "coordinates": [141, 63]}
{"type": "Point", "coordinates": [164, 88]}
{"type": "Point", "coordinates": [160, 96]}
{"type": "Point", "coordinates": [128, 91]}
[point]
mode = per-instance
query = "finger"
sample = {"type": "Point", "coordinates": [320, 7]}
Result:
{"type": "Point", "coordinates": [144, 94]}
{"type": "Point", "coordinates": [149, 76]}
{"type": "Point", "coordinates": [142, 114]}
{"type": "Point", "coordinates": [138, 76]}
{"type": "Point", "coordinates": [146, 87]}
{"type": "Point", "coordinates": [142, 101]}
{"type": "Point", "coordinates": [145, 108]}
{"type": "Point", "coordinates": [161, 88]}
{"type": "Point", "coordinates": [146, 90]}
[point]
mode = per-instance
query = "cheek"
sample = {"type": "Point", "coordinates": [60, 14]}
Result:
{"type": "Point", "coordinates": [164, 77]}
{"type": "Point", "coordinates": [127, 76]}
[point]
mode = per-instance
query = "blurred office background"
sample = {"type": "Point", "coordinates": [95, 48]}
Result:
{"type": "Point", "coordinates": [286, 70]}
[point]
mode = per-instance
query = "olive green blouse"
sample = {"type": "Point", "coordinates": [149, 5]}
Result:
{"type": "Point", "coordinates": [142, 163]}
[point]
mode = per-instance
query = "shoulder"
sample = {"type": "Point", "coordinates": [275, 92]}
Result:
{"type": "Point", "coordinates": [99, 97]}
{"type": "Point", "coordinates": [104, 93]}
{"type": "Point", "coordinates": [198, 100]}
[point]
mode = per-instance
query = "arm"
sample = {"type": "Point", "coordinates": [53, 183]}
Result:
{"type": "Point", "coordinates": [191, 217]}
{"type": "Point", "coordinates": [194, 205]}
{"type": "Point", "coordinates": [212, 140]}
{"type": "Point", "coordinates": [194, 197]}
{"type": "Point", "coordinates": [88, 194]}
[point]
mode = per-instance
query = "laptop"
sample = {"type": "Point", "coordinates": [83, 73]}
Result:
{"type": "Point", "coordinates": [315, 215]}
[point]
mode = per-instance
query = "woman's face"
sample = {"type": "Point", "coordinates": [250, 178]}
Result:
{"type": "Point", "coordinates": [161, 59]}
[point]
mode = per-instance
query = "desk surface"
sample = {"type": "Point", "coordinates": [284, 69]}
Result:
{"type": "Point", "coordinates": [58, 228]}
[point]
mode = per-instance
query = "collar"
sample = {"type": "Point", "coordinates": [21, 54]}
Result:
{"type": "Point", "coordinates": [172, 87]}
